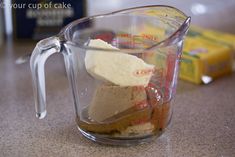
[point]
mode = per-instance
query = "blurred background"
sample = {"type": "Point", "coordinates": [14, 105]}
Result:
{"type": "Point", "coordinates": [215, 14]}
{"type": "Point", "coordinates": [26, 23]}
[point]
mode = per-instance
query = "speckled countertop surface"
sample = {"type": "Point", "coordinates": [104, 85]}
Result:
{"type": "Point", "coordinates": [203, 123]}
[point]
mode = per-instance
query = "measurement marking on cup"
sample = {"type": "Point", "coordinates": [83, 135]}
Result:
{"type": "Point", "coordinates": [144, 72]}
{"type": "Point", "coordinates": [144, 40]}
{"type": "Point", "coordinates": [141, 104]}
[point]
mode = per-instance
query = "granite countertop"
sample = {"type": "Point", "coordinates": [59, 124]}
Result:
{"type": "Point", "coordinates": [203, 122]}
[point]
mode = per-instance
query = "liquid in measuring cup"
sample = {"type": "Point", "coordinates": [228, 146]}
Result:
{"type": "Point", "coordinates": [145, 115]}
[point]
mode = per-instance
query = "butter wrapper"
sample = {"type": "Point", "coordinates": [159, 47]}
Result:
{"type": "Point", "coordinates": [206, 56]}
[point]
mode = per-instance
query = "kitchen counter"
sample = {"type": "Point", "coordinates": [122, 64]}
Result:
{"type": "Point", "coordinates": [203, 122]}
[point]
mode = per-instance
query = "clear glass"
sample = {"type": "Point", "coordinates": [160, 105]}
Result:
{"type": "Point", "coordinates": [122, 92]}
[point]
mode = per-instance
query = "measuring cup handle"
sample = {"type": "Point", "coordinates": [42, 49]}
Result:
{"type": "Point", "coordinates": [44, 49]}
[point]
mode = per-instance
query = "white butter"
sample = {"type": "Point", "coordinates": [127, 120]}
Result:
{"type": "Point", "coordinates": [119, 68]}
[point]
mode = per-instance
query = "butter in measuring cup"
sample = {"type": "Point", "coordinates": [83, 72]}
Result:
{"type": "Point", "coordinates": [122, 105]}
{"type": "Point", "coordinates": [115, 67]}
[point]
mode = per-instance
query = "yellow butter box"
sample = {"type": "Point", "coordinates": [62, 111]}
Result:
{"type": "Point", "coordinates": [206, 56]}
{"type": "Point", "coordinates": [216, 36]}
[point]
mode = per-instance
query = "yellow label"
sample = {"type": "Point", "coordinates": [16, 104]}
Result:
{"type": "Point", "coordinates": [203, 56]}
{"type": "Point", "coordinates": [220, 37]}
{"type": "Point", "coordinates": [190, 69]}
{"type": "Point", "coordinates": [218, 65]}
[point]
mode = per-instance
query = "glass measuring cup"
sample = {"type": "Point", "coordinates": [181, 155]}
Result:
{"type": "Point", "coordinates": [122, 68]}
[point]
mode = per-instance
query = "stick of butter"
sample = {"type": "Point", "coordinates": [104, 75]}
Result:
{"type": "Point", "coordinates": [119, 68]}
{"type": "Point", "coordinates": [109, 101]}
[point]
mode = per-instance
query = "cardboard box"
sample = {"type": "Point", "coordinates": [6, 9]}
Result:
{"type": "Point", "coordinates": [206, 56]}
{"type": "Point", "coordinates": [40, 19]}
